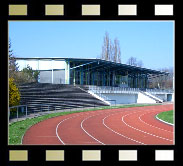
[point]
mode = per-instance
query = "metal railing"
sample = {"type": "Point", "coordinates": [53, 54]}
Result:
{"type": "Point", "coordinates": [102, 90]}
{"type": "Point", "coordinates": [110, 89]}
{"type": "Point", "coordinates": [159, 91]}
{"type": "Point", "coordinates": [22, 112]}
{"type": "Point", "coordinates": [19, 110]}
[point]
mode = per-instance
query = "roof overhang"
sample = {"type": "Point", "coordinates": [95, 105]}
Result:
{"type": "Point", "coordinates": [104, 64]}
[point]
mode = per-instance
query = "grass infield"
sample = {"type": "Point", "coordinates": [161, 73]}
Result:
{"type": "Point", "coordinates": [18, 129]}
{"type": "Point", "coordinates": [166, 116]}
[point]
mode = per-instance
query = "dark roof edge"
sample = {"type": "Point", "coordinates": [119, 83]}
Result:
{"type": "Point", "coordinates": [92, 59]}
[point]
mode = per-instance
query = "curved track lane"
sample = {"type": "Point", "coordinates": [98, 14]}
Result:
{"type": "Point", "coordinates": [123, 126]}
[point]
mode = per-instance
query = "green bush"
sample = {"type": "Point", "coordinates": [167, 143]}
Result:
{"type": "Point", "coordinates": [14, 94]}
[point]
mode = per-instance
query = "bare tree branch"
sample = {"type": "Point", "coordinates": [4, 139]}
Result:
{"type": "Point", "coordinates": [111, 51]}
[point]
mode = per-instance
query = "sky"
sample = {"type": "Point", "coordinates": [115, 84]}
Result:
{"type": "Point", "coordinates": [152, 42]}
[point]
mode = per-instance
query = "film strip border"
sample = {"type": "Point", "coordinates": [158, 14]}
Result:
{"type": "Point", "coordinates": [90, 10]}
{"type": "Point", "coordinates": [20, 155]}
{"type": "Point", "coordinates": [90, 155]}
{"type": "Point", "coordinates": [96, 10]}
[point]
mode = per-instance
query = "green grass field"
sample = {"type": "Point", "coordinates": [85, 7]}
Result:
{"type": "Point", "coordinates": [167, 116]}
{"type": "Point", "coordinates": [18, 129]}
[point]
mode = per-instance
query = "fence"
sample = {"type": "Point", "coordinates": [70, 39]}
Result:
{"type": "Point", "coordinates": [159, 91]}
{"type": "Point", "coordinates": [17, 111]}
{"type": "Point", "coordinates": [110, 89]}
{"type": "Point", "coordinates": [21, 112]}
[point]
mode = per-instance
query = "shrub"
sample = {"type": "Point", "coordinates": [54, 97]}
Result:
{"type": "Point", "coordinates": [14, 94]}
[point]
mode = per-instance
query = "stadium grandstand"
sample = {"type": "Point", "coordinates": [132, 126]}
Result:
{"type": "Point", "coordinates": [84, 82]}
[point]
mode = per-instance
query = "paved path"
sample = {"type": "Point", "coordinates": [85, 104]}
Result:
{"type": "Point", "coordinates": [122, 126]}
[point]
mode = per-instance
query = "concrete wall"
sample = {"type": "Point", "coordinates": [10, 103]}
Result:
{"type": "Point", "coordinates": [58, 77]}
{"type": "Point", "coordinates": [144, 99]}
{"type": "Point", "coordinates": [122, 98]}
{"type": "Point", "coordinates": [38, 64]}
{"type": "Point", "coordinates": [162, 96]}
{"type": "Point", "coordinates": [166, 97]}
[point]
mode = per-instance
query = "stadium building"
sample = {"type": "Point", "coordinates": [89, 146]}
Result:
{"type": "Point", "coordinates": [89, 72]}
{"type": "Point", "coordinates": [107, 81]}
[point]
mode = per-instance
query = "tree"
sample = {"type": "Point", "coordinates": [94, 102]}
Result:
{"type": "Point", "coordinates": [36, 75]}
{"type": "Point", "coordinates": [133, 61]}
{"type": "Point", "coordinates": [106, 48]}
{"type": "Point", "coordinates": [111, 51]}
{"type": "Point", "coordinates": [13, 66]}
{"type": "Point", "coordinates": [14, 94]}
{"type": "Point", "coordinates": [29, 75]}
{"type": "Point", "coordinates": [140, 63]}
{"type": "Point", "coordinates": [116, 51]}
{"type": "Point", "coordinates": [163, 82]}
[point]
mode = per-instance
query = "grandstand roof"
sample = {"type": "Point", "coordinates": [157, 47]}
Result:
{"type": "Point", "coordinates": [101, 64]}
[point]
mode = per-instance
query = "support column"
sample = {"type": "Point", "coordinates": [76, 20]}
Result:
{"type": "Point", "coordinates": [127, 77]}
{"type": "Point", "coordinates": [141, 81]}
{"type": "Point", "coordinates": [67, 72]}
{"type": "Point", "coordinates": [74, 76]}
{"type": "Point", "coordinates": [104, 79]}
{"type": "Point", "coordinates": [138, 86]}
{"type": "Point", "coordinates": [52, 71]}
{"type": "Point", "coordinates": [81, 75]}
{"type": "Point", "coordinates": [38, 70]}
{"type": "Point", "coordinates": [146, 82]}
{"type": "Point", "coordinates": [93, 78]}
{"type": "Point", "coordinates": [38, 65]}
{"type": "Point", "coordinates": [135, 80]}
{"type": "Point", "coordinates": [109, 79]}
{"type": "Point", "coordinates": [113, 78]}
{"type": "Point", "coordinates": [97, 78]}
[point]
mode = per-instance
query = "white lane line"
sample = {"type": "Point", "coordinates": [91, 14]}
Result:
{"type": "Point", "coordinates": [120, 133]}
{"type": "Point", "coordinates": [62, 122]}
{"type": "Point", "coordinates": [57, 130]}
{"type": "Point", "coordinates": [164, 121]}
{"type": "Point", "coordinates": [87, 132]}
{"type": "Point", "coordinates": [85, 113]}
{"type": "Point", "coordinates": [85, 119]}
{"type": "Point", "coordinates": [152, 125]}
{"type": "Point", "coordinates": [142, 130]}
{"type": "Point", "coordinates": [98, 115]}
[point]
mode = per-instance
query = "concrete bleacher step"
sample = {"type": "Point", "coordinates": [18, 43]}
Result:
{"type": "Point", "coordinates": [56, 95]}
{"type": "Point", "coordinates": [87, 101]}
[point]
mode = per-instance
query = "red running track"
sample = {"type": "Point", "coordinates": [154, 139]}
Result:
{"type": "Point", "coordinates": [123, 126]}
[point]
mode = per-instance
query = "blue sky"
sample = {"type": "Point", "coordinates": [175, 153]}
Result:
{"type": "Point", "coordinates": [149, 41]}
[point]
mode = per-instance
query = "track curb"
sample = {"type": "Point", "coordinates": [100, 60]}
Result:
{"type": "Point", "coordinates": [163, 120]}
